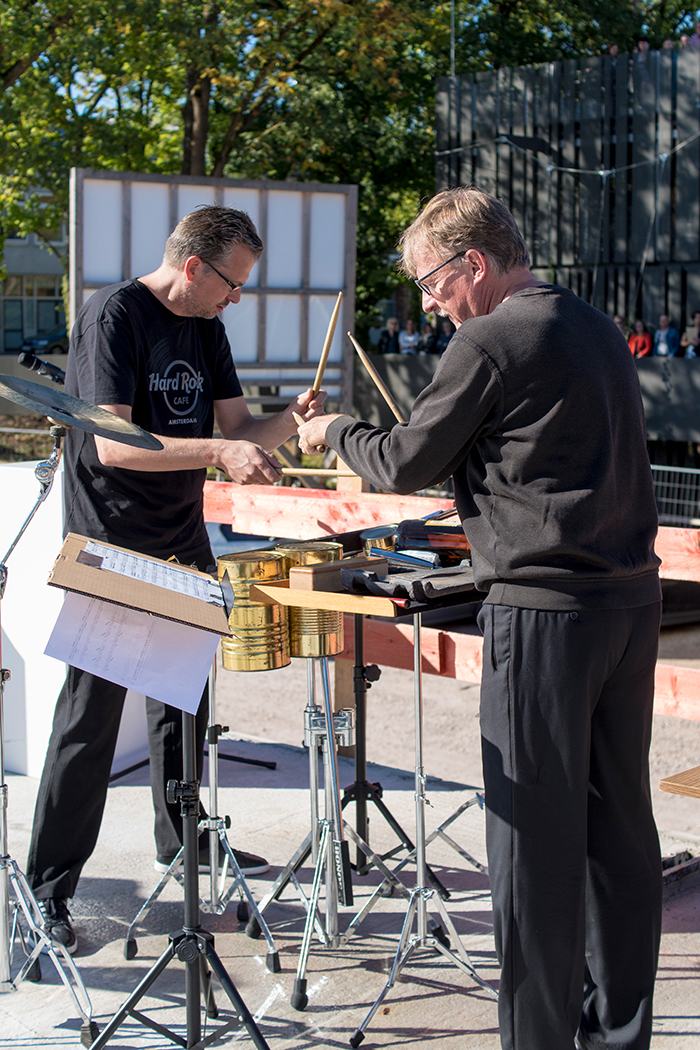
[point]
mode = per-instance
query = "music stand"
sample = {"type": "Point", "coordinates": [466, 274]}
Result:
{"type": "Point", "coordinates": [191, 944]}
{"type": "Point", "coordinates": [216, 826]}
{"type": "Point", "coordinates": [146, 587]}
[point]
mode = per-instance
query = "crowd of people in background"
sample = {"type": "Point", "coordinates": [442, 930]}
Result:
{"type": "Point", "coordinates": [665, 341]}
{"type": "Point", "coordinates": [644, 341]}
{"type": "Point", "coordinates": [643, 45]}
{"type": "Point", "coordinates": [408, 340]}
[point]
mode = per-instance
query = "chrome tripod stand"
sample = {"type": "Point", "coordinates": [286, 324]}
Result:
{"type": "Point", "coordinates": [326, 842]}
{"type": "Point", "coordinates": [16, 896]}
{"type": "Point", "coordinates": [427, 935]}
{"type": "Point", "coordinates": [219, 845]}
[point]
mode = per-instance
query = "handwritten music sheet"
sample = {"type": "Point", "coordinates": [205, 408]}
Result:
{"type": "Point", "coordinates": [159, 658]}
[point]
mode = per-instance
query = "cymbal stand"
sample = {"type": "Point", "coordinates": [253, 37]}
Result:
{"type": "Point", "coordinates": [325, 845]}
{"type": "Point", "coordinates": [424, 937]}
{"type": "Point", "coordinates": [216, 826]}
{"type": "Point", "coordinates": [332, 852]}
{"type": "Point", "coordinates": [315, 740]}
{"type": "Point", "coordinates": [191, 944]}
{"type": "Point", "coordinates": [15, 893]}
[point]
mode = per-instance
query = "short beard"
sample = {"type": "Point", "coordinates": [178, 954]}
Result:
{"type": "Point", "coordinates": [192, 305]}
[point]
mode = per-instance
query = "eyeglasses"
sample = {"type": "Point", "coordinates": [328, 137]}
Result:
{"type": "Point", "coordinates": [420, 281]}
{"type": "Point", "coordinates": [232, 286]}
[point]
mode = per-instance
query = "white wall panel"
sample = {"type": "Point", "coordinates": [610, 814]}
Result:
{"type": "Point", "coordinates": [320, 310]}
{"type": "Point", "coordinates": [282, 331]}
{"type": "Point", "coordinates": [327, 261]}
{"type": "Point", "coordinates": [150, 226]}
{"type": "Point", "coordinates": [102, 231]}
{"type": "Point", "coordinates": [283, 248]}
{"type": "Point", "coordinates": [241, 324]}
{"type": "Point", "coordinates": [191, 197]}
{"type": "Point", "coordinates": [248, 201]}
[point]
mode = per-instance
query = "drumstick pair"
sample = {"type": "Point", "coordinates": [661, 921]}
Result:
{"type": "Point", "coordinates": [374, 375]}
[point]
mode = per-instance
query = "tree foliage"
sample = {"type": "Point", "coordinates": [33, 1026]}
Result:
{"type": "Point", "coordinates": [329, 90]}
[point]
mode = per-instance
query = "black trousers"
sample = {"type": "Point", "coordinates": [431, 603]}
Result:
{"type": "Point", "coordinates": [75, 778]}
{"type": "Point", "coordinates": [574, 861]}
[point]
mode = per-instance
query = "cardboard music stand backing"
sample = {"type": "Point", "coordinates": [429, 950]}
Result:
{"type": "Point", "coordinates": [73, 574]}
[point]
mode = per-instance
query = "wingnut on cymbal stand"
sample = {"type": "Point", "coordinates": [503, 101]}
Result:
{"type": "Point", "coordinates": [219, 845]}
{"type": "Point", "coordinates": [15, 893]}
{"type": "Point", "coordinates": [426, 935]}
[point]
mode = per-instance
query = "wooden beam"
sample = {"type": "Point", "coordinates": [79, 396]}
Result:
{"type": "Point", "coordinates": [677, 691]}
{"type": "Point", "coordinates": [679, 550]}
{"type": "Point", "coordinates": [269, 510]}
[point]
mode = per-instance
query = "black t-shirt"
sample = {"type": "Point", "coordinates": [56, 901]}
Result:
{"type": "Point", "coordinates": [128, 349]}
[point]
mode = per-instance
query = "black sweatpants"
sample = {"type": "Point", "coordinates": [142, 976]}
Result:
{"type": "Point", "coordinates": [574, 861]}
{"type": "Point", "coordinates": [75, 778]}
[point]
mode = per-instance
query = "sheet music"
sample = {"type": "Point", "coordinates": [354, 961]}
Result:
{"type": "Point", "coordinates": [166, 660]}
{"type": "Point", "coordinates": [167, 576]}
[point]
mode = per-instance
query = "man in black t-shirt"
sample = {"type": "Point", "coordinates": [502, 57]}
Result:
{"type": "Point", "coordinates": [153, 351]}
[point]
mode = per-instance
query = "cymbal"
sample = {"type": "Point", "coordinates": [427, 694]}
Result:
{"type": "Point", "coordinates": [75, 412]}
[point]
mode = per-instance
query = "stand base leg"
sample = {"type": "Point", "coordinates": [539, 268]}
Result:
{"type": "Point", "coordinates": [24, 900]}
{"type": "Point", "coordinates": [196, 949]}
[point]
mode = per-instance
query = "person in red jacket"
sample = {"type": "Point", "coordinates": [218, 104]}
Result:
{"type": "Point", "coordinates": [640, 341]}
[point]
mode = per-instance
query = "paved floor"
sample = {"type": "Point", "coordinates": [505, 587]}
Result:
{"type": "Point", "coordinates": [433, 1002]}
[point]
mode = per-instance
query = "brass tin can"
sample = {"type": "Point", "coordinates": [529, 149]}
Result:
{"type": "Point", "coordinates": [260, 640]}
{"type": "Point", "coordinates": [313, 632]}
{"type": "Point", "coordinates": [382, 537]}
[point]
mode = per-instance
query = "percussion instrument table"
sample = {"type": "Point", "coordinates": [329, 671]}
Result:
{"type": "Point", "coordinates": [361, 792]}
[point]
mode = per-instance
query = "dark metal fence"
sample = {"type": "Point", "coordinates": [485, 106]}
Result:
{"type": "Point", "coordinates": [598, 160]}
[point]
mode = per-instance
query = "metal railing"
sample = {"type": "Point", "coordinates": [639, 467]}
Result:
{"type": "Point", "coordinates": [677, 492]}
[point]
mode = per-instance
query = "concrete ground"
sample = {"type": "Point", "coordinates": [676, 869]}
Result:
{"type": "Point", "coordinates": [433, 1001]}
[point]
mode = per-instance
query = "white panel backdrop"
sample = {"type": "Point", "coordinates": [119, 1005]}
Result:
{"type": "Point", "coordinates": [120, 222]}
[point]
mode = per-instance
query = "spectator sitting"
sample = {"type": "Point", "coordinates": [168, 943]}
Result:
{"type": "Point", "coordinates": [428, 339]}
{"type": "Point", "coordinates": [640, 341]}
{"type": "Point", "coordinates": [685, 40]}
{"type": "Point", "coordinates": [448, 330]}
{"type": "Point", "coordinates": [667, 340]}
{"type": "Point", "coordinates": [690, 340]}
{"type": "Point", "coordinates": [668, 45]}
{"type": "Point", "coordinates": [389, 339]}
{"type": "Point", "coordinates": [620, 322]}
{"type": "Point", "coordinates": [409, 339]}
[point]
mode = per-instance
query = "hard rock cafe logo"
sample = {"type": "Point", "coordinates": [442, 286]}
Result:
{"type": "Point", "coordinates": [180, 386]}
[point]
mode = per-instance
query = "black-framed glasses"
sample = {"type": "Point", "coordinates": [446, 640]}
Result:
{"type": "Point", "coordinates": [232, 286]}
{"type": "Point", "coordinates": [420, 281]}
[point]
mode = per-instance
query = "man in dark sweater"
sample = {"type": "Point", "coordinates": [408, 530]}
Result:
{"type": "Point", "coordinates": [536, 413]}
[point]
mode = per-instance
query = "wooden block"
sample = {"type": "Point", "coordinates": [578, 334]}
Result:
{"type": "Point", "coordinates": [326, 575]}
{"type": "Point", "coordinates": [685, 783]}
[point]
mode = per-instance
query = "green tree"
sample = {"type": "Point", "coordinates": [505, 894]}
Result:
{"type": "Point", "coordinates": [330, 90]}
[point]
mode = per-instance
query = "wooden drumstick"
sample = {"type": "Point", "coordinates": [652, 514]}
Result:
{"type": "Point", "coordinates": [327, 345]}
{"type": "Point", "coordinates": [379, 382]}
{"type": "Point", "coordinates": [299, 421]}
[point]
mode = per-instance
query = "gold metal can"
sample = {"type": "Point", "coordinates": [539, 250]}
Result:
{"type": "Point", "coordinates": [313, 632]}
{"type": "Point", "coordinates": [260, 640]}
{"type": "Point", "coordinates": [382, 537]}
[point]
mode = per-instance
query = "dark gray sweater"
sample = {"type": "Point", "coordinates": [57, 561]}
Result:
{"type": "Point", "coordinates": [535, 411]}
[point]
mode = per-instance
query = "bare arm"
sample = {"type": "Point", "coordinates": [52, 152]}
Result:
{"type": "Point", "coordinates": [239, 453]}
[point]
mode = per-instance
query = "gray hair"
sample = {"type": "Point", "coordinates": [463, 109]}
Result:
{"type": "Point", "coordinates": [211, 232]}
{"type": "Point", "coordinates": [459, 219]}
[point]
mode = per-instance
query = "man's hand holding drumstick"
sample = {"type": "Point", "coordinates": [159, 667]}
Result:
{"type": "Point", "coordinates": [312, 433]}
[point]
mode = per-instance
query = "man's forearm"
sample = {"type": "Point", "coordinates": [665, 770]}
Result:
{"type": "Point", "coordinates": [243, 461]}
